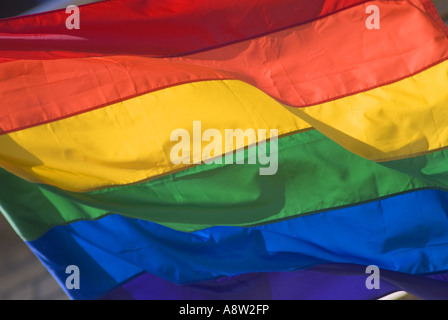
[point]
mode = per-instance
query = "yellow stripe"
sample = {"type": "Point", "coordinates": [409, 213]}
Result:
{"type": "Point", "coordinates": [403, 119]}
{"type": "Point", "coordinates": [130, 141]}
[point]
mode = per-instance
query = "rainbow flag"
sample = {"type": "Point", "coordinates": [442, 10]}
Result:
{"type": "Point", "coordinates": [229, 149]}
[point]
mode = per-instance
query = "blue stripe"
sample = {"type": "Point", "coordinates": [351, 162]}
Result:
{"type": "Point", "coordinates": [406, 233]}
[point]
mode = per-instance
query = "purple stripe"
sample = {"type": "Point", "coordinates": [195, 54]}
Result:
{"type": "Point", "coordinates": [324, 282]}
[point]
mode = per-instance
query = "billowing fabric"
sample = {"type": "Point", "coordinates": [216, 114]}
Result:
{"type": "Point", "coordinates": [356, 124]}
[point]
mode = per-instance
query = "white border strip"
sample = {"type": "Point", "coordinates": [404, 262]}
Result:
{"type": "Point", "coordinates": [394, 296]}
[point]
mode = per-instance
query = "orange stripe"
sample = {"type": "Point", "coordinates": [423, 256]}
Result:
{"type": "Point", "coordinates": [306, 65]}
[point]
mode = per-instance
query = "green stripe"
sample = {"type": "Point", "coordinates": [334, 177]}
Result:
{"type": "Point", "coordinates": [314, 174]}
{"type": "Point", "coordinates": [431, 167]}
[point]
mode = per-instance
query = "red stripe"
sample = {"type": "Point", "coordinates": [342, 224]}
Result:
{"type": "Point", "coordinates": [299, 68]}
{"type": "Point", "coordinates": [155, 28]}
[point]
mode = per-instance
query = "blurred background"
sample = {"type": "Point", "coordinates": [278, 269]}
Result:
{"type": "Point", "coordinates": [11, 8]}
{"type": "Point", "coordinates": [22, 276]}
